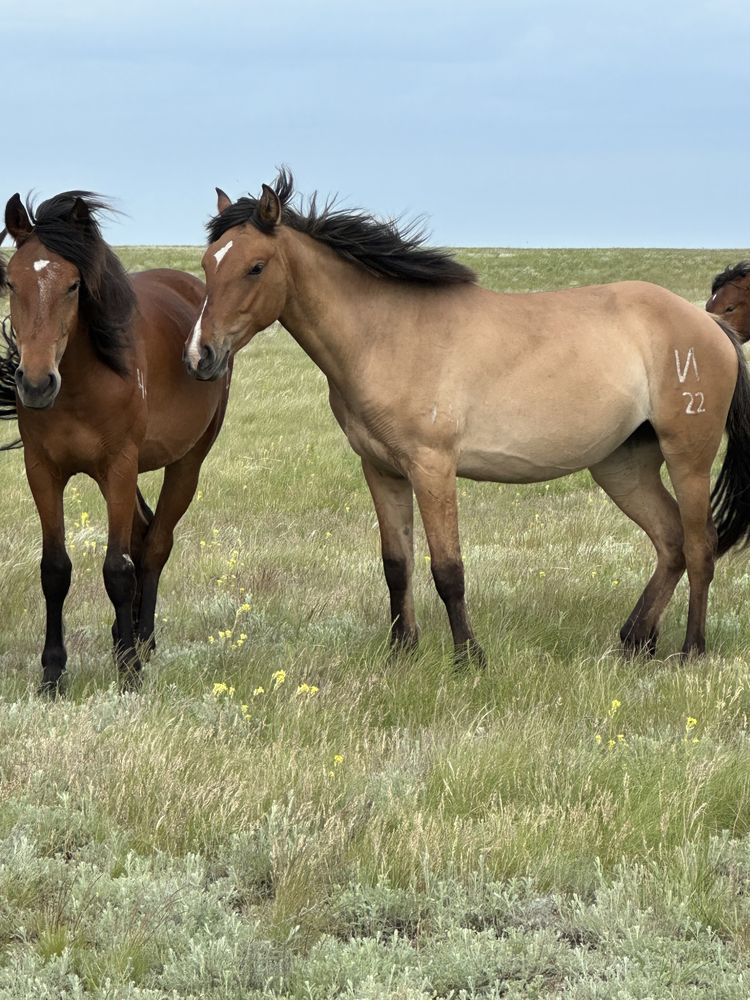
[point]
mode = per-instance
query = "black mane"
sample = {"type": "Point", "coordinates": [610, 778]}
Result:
{"type": "Point", "coordinates": [3, 276]}
{"type": "Point", "coordinates": [740, 270]}
{"type": "Point", "coordinates": [106, 298]}
{"type": "Point", "coordinates": [378, 245]}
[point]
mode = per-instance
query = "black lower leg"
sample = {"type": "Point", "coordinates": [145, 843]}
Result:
{"type": "Point", "coordinates": [120, 582]}
{"type": "Point", "coordinates": [449, 581]}
{"type": "Point", "coordinates": [56, 572]}
{"type": "Point", "coordinates": [403, 633]}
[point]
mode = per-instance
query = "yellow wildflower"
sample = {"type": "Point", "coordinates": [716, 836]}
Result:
{"type": "Point", "coordinates": [258, 690]}
{"type": "Point", "coordinates": [307, 689]}
{"type": "Point", "coordinates": [690, 724]}
{"type": "Point", "coordinates": [598, 738]}
{"type": "Point", "coordinates": [278, 677]}
{"type": "Point", "coordinates": [244, 607]}
{"type": "Point", "coordinates": [338, 760]}
{"type": "Point", "coordinates": [614, 707]}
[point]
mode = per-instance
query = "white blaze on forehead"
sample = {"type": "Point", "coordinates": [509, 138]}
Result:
{"type": "Point", "coordinates": [221, 254]}
{"type": "Point", "coordinates": [194, 344]}
{"type": "Point", "coordinates": [39, 265]}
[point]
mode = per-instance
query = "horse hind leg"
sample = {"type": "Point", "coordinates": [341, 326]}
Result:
{"type": "Point", "coordinates": [631, 477]}
{"type": "Point", "coordinates": [692, 486]}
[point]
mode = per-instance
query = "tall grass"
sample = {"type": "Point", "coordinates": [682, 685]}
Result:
{"type": "Point", "coordinates": [565, 823]}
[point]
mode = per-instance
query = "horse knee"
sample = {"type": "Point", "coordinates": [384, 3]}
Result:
{"type": "Point", "coordinates": [449, 580]}
{"type": "Point", "coordinates": [56, 570]}
{"type": "Point", "coordinates": [119, 578]}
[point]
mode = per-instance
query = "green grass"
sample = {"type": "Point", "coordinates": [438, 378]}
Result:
{"type": "Point", "coordinates": [406, 831]}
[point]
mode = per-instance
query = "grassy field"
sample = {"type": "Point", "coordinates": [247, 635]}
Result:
{"type": "Point", "coordinates": [284, 812]}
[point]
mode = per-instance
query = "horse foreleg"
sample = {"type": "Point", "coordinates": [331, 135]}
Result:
{"type": "Point", "coordinates": [394, 506]}
{"type": "Point", "coordinates": [118, 485]}
{"type": "Point", "coordinates": [47, 489]}
{"type": "Point", "coordinates": [434, 483]}
{"type": "Point", "coordinates": [142, 518]}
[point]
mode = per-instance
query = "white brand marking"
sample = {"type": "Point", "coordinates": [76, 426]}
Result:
{"type": "Point", "coordinates": [141, 383]}
{"type": "Point", "coordinates": [221, 254]}
{"type": "Point", "coordinates": [39, 265]}
{"type": "Point", "coordinates": [695, 396]}
{"type": "Point", "coordinates": [194, 349]}
{"type": "Point", "coordinates": [682, 373]}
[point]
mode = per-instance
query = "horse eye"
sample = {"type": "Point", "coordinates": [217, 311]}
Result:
{"type": "Point", "coordinates": [730, 309]}
{"type": "Point", "coordinates": [11, 287]}
{"type": "Point", "coordinates": [257, 268]}
{"type": "Point", "coordinates": [74, 287]}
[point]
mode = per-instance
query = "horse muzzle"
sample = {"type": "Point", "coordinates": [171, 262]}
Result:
{"type": "Point", "coordinates": [211, 364]}
{"type": "Point", "coordinates": [37, 395]}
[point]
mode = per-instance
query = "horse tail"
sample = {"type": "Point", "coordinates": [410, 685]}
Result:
{"type": "Point", "coordinates": [9, 361]}
{"type": "Point", "coordinates": [730, 498]}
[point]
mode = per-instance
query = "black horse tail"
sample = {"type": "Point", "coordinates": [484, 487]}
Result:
{"type": "Point", "coordinates": [9, 361]}
{"type": "Point", "coordinates": [730, 498]}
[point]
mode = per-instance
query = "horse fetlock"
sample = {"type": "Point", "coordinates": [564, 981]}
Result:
{"type": "Point", "coordinates": [638, 642]}
{"type": "Point", "coordinates": [469, 653]}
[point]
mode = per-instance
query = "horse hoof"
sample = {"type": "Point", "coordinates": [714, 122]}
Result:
{"type": "Point", "coordinates": [52, 688]}
{"type": "Point", "coordinates": [634, 646]}
{"type": "Point", "coordinates": [131, 680]}
{"type": "Point", "coordinates": [469, 654]}
{"type": "Point", "coordinates": [403, 645]}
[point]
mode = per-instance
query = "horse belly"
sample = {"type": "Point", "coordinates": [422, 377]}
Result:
{"type": "Point", "coordinates": [548, 445]}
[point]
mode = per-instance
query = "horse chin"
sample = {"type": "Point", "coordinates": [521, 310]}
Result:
{"type": "Point", "coordinates": [36, 402]}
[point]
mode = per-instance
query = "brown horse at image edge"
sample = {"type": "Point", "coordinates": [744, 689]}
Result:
{"type": "Point", "coordinates": [102, 389]}
{"type": "Point", "coordinates": [730, 298]}
{"type": "Point", "coordinates": [433, 377]}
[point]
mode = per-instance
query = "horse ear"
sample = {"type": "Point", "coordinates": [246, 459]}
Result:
{"type": "Point", "coordinates": [269, 207]}
{"type": "Point", "coordinates": [17, 220]}
{"type": "Point", "coordinates": [224, 200]}
{"type": "Point", "coordinates": [80, 211]}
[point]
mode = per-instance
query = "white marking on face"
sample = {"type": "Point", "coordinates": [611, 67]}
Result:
{"type": "Point", "coordinates": [682, 373]}
{"type": "Point", "coordinates": [434, 412]}
{"type": "Point", "coordinates": [194, 345]}
{"type": "Point", "coordinates": [39, 265]}
{"type": "Point", "coordinates": [141, 383]}
{"type": "Point", "coordinates": [221, 254]}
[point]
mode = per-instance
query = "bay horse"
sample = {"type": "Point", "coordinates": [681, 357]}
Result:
{"type": "Point", "coordinates": [433, 377]}
{"type": "Point", "coordinates": [102, 390]}
{"type": "Point", "coordinates": [730, 298]}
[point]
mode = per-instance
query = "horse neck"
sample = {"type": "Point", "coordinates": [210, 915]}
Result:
{"type": "Point", "coordinates": [329, 306]}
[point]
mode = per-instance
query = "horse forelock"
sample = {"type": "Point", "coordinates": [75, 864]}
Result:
{"type": "Point", "coordinates": [732, 273]}
{"type": "Point", "coordinates": [107, 299]}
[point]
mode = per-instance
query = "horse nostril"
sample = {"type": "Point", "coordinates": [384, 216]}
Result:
{"type": "Point", "coordinates": [19, 375]}
{"type": "Point", "coordinates": [208, 357]}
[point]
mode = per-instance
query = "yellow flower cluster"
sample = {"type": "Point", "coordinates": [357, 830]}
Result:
{"type": "Point", "coordinates": [220, 690]}
{"type": "Point", "coordinates": [310, 689]}
{"type": "Point", "coordinates": [278, 677]}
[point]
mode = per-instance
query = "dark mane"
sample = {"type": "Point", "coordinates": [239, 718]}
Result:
{"type": "Point", "coordinates": [377, 244]}
{"type": "Point", "coordinates": [106, 298]}
{"type": "Point", "coordinates": [3, 276]}
{"type": "Point", "coordinates": [740, 270]}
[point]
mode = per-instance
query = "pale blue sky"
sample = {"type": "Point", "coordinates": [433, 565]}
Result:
{"type": "Point", "coordinates": [508, 123]}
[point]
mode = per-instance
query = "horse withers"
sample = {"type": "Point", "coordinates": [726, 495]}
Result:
{"type": "Point", "coordinates": [102, 390]}
{"type": "Point", "coordinates": [730, 298]}
{"type": "Point", "coordinates": [433, 377]}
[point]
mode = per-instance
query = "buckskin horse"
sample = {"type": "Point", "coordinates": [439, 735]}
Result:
{"type": "Point", "coordinates": [433, 377]}
{"type": "Point", "coordinates": [102, 390]}
{"type": "Point", "coordinates": [730, 298]}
